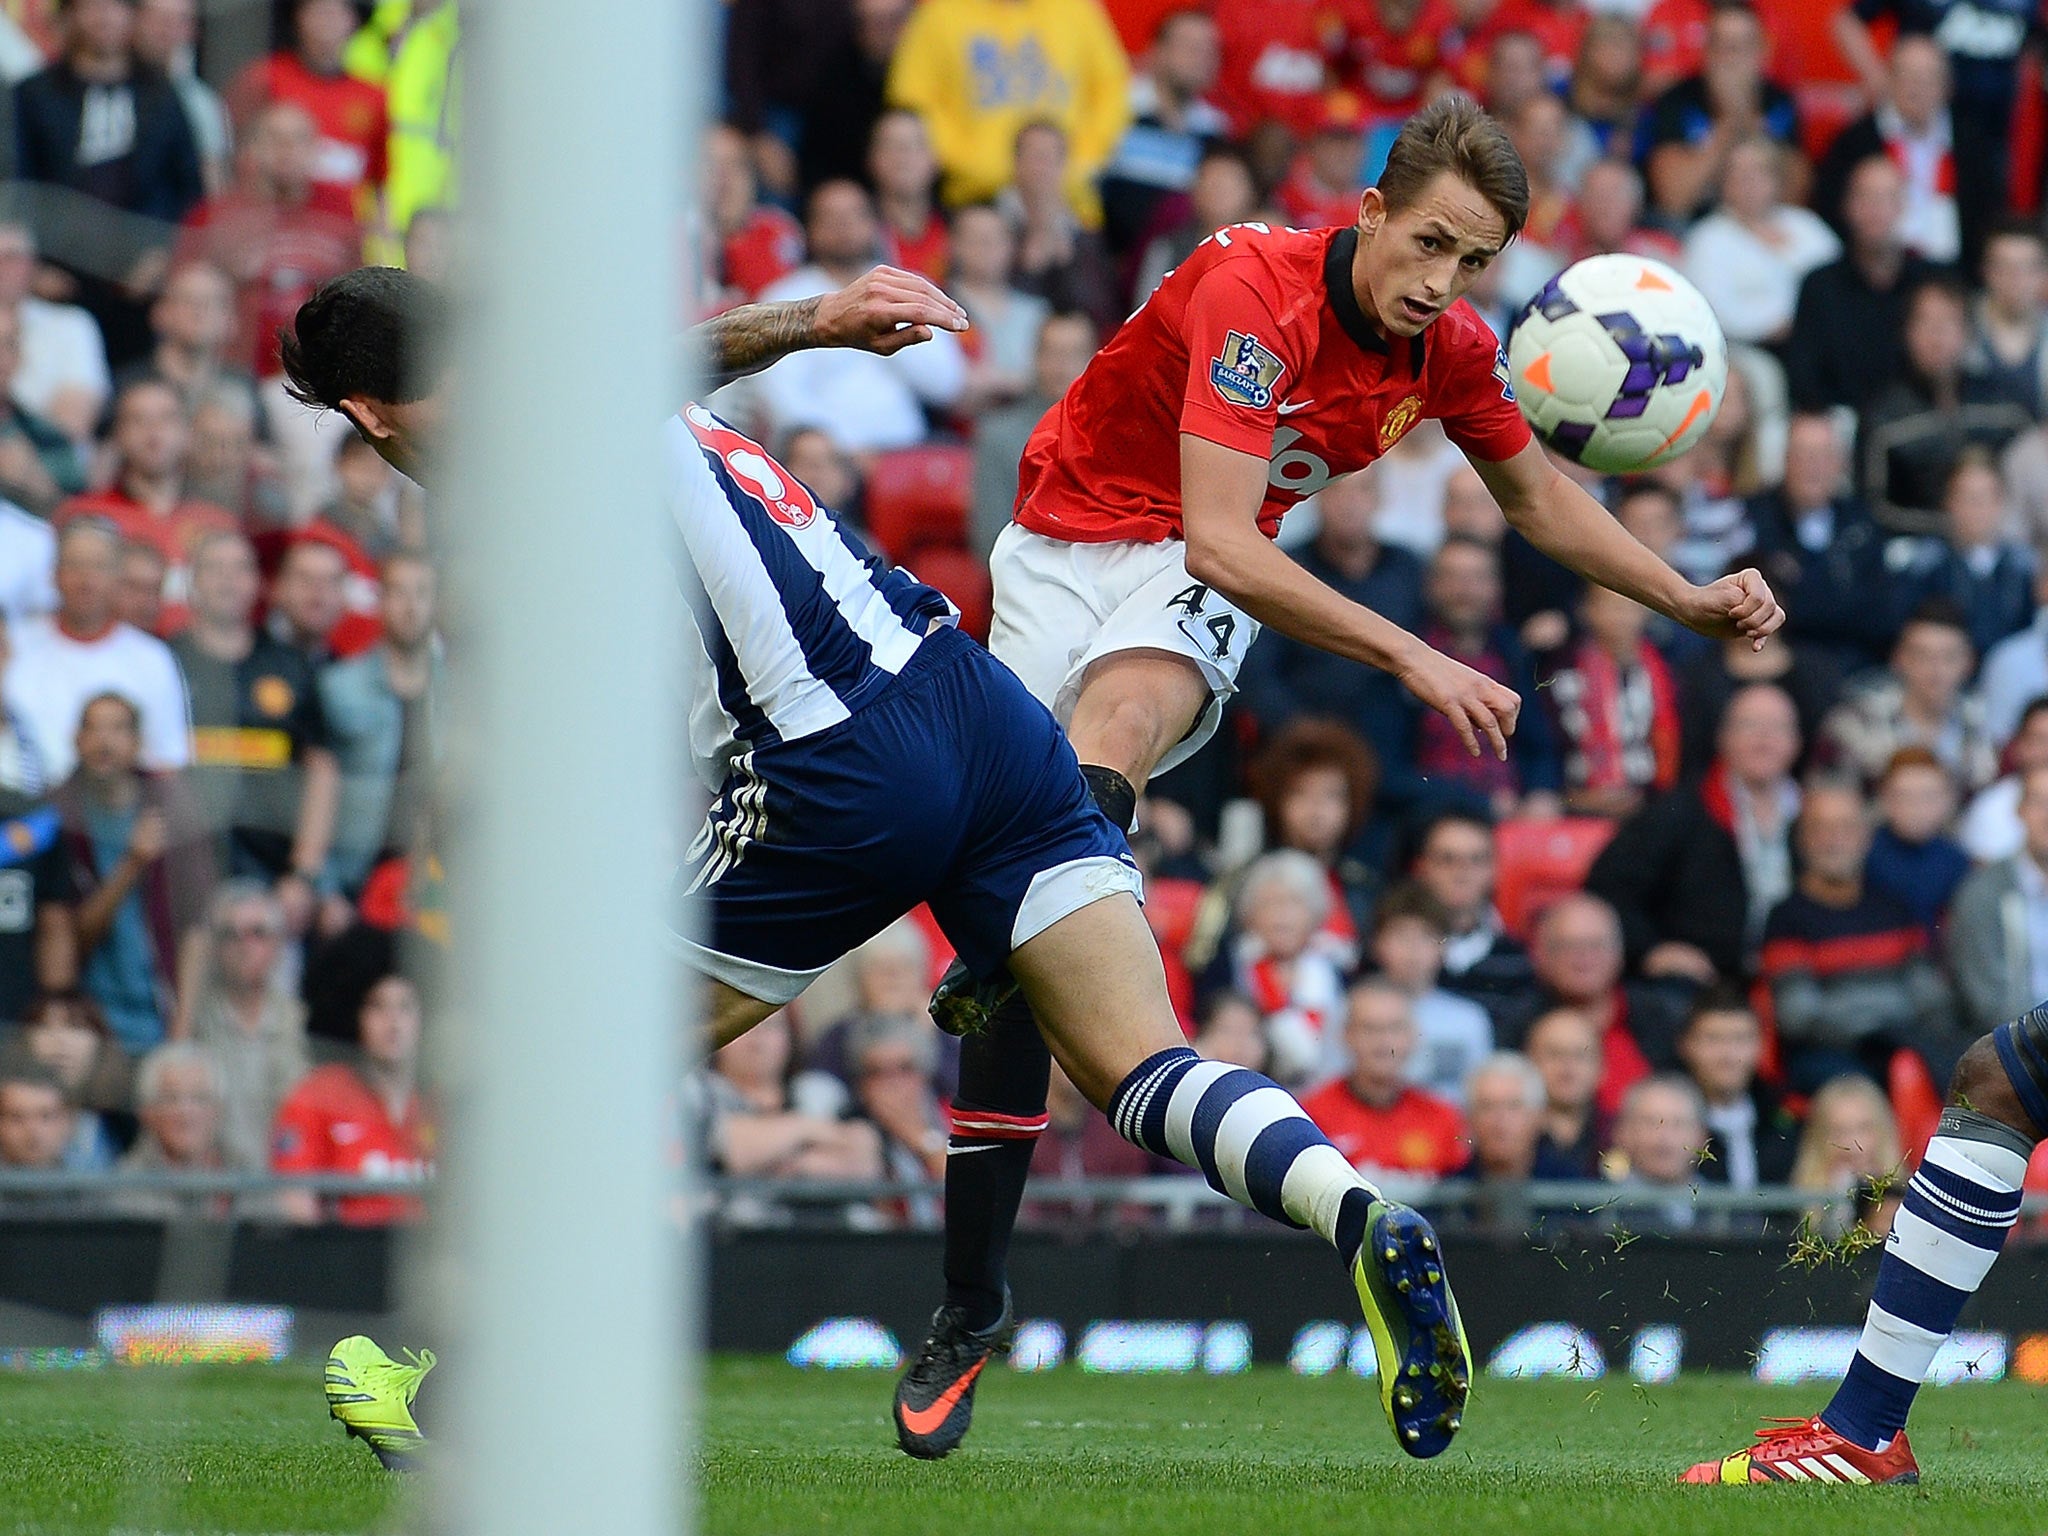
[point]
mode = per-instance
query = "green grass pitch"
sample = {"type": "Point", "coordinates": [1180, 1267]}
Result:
{"type": "Point", "coordinates": [1262, 1454]}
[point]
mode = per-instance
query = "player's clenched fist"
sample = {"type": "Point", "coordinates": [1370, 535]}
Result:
{"type": "Point", "coordinates": [1739, 604]}
{"type": "Point", "coordinates": [1478, 708]}
{"type": "Point", "coordinates": [884, 311]}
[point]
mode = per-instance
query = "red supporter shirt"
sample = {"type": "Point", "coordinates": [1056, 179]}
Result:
{"type": "Point", "coordinates": [172, 535]}
{"type": "Point", "coordinates": [1276, 56]}
{"type": "Point", "coordinates": [361, 624]}
{"type": "Point", "coordinates": [768, 247]}
{"type": "Point", "coordinates": [1417, 1133]}
{"type": "Point", "coordinates": [1310, 205]}
{"type": "Point", "coordinates": [1389, 66]}
{"type": "Point", "coordinates": [1255, 342]}
{"type": "Point", "coordinates": [1622, 1062]}
{"type": "Point", "coordinates": [334, 1123]}
{"type": "Point", "coordinates": [348, 113]}
{"type": "Point", "coordinates": [929, 253]}
{"type": "Point", "coordinates": [1674, 36]}
{"type": "Point", "coordinates": [1467, 51]}
{"type": "Point", "coordinates": [276, 256]}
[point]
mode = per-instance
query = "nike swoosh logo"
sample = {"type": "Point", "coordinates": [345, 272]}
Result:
{"type": "Point", "coordinates": [1292, 406]}
{"type": "Point", "coordinates": [922, 1421]}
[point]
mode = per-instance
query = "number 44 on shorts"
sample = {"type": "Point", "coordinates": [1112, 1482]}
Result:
{"type": "Point", "coordinates": [1213, 633]}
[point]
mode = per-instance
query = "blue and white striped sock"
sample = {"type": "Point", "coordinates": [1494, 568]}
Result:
{"type": "Point", "coordinates": [1960, 1204]}
{"type": "Point", "coordinates": [1249, 1139]}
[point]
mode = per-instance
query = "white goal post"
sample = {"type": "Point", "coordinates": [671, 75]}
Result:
{"type": "Point", "coordinates": [566, 1281]}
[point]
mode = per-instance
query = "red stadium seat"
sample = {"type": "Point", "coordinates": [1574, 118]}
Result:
{"type": "Point", "coordinates": [920, 496]}
{"type": "Point", "coordinates": [1540, 861]}
{"type": "Point", "coordinates": [1916, 1102]}
{"type": "Point", "coordinates": [962, 577]}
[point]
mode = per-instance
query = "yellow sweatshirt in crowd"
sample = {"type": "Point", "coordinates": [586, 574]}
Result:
{"type": "Point", "coordinates": [979, 70]}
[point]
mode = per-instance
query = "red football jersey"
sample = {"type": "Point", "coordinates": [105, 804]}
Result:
{"type": "Point", "coordinates": [333, 1123]}
{"type": "Point", "coordinates": [349, 114]}
{"type": "Point", "coordinates": [1309, 205]}
{"type": "Point", "coordinates": [1390, 64]}
{"type": "Point", "coordinates": [1674, 40]}
{"type": "Point", "coordinates": [1276, 57]}
{"type": "Point", "coordinates": [1255, 342]}
{"type": "Point", "coordinates": [1417, 1133]}
{"type": "Point", "coordinates": [767, 248]}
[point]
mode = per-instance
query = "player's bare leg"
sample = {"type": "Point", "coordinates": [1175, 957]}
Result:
{"type": "Point", "coordinates": [1096, 984]}
{"type": "Point", "coordinates": [1133, 707]}
{"type": "Point", "coordinates": [730, 1013]}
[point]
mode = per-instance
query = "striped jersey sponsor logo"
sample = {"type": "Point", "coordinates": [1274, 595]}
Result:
{"type": "Point", "coordinates": [798, 625]}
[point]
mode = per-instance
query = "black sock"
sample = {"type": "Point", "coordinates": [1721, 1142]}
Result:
{"type": "Point", "coordinates": [998, 1115]}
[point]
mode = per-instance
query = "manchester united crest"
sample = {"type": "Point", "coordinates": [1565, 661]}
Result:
{"type": "Point", "coordinates": [1399, 420]}
{"type": "Point", "coordinates": [272, 696]}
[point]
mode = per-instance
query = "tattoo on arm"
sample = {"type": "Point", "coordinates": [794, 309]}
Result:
{"type": "Point", "coordinates": [746, 340]}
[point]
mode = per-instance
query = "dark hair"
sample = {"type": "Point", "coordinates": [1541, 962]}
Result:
{"type": "Point", "coordinates": [1420, 832]}
{"type": "Point", "coordinates": [25, 1069]}
{"type": "Point", "coordinates": [1942, 612]}
{"type": "Point", "coordinates": [1716, 997]}
{"type": "Point", "coordinates": [77, 1003]}
{"type": "Point", "coordinates": [377, 333]}
{"type": "Point", "coordinates": [1471, 541]}
{"type": "Point", "coordinates": [1304, 746]}
{"type": "Point", "coordinates": [1940, 284]}
{"type": "Point", "coordinates": [1455, 134]}
{"type": "Point", "coordinates": [1630, 489]}
{"type": "Point", "coordinates": [1073, 317]}
{"type": "Point", "coordinates": [2037, 705]}
{"type": "Point", "coordinates": [1223, 149]}
{"type": "Point", "coordinates": [1737, 7]}
{"type": "Point", "coordinates": [1410, 901]}
{"type": "Point", "coordinates": [149, 379]}
{"type": "Point", "coordinates": [1971, 458]}
{"type": "Point", "coordinates": [2013, 229]}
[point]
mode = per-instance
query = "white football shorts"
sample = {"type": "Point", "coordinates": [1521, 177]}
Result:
{"type": "Point", "coordinates": [1061, 607]}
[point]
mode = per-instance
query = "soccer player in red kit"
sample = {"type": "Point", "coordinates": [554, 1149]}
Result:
{"type": "Point", "coordinates": [1140, 565]}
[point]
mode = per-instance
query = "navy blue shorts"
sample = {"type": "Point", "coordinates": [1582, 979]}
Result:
{"type": "Point", "coordinates": [952, 786]}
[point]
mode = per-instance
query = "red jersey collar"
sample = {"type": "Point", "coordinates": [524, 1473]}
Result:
{"type": "Point", "coordinates": [1344, 303]}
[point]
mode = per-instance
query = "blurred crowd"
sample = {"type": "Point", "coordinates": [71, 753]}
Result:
{"type": "Point", "coordinates": [1722, 917]}
{"type": "Point", "coordinates": [218, 631]}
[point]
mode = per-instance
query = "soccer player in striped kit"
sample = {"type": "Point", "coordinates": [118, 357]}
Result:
{"type": "Point", "coordinates": [866, 756]}
{"type": "Point", "coordinates": [1960, 1203]}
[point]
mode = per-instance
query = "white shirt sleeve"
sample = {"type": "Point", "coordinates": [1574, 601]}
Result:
{"type": "Point", "coordinates": [166, 713]}
{"type": "Point", "coordinates": [935, 370]}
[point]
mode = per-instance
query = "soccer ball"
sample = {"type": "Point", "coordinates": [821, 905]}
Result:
{"type": "Point", "coordinates": [1618, 364]}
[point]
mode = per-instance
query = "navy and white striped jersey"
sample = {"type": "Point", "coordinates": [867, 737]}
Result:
{"type": "Point", "coordinates": [798, 624]}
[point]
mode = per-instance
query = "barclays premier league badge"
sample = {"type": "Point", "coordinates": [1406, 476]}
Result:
{"type": "Point", "coordinates": [1246, 373]}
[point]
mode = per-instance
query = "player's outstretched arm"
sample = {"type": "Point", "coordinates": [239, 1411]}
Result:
{"type": "Point", "coordinates": [882, 311]}
{"type": "Point", "coordinates": [1567, 524]}
{"type": "Point", "coordinates": [1221, 490]}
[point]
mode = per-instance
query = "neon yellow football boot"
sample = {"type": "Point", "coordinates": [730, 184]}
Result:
{"type": "Point", "coordinates": [371, 1394]}
{"type": "Point", "coordinates": [1425, 1364]}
